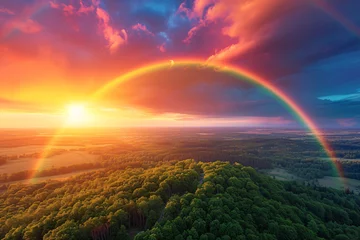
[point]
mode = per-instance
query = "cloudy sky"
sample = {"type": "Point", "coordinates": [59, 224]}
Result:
{"type": "Point", "coordinates": [58, 53]}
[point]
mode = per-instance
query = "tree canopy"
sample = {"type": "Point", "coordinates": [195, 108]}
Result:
{"type": "Point", "coordinates": [182, 200]}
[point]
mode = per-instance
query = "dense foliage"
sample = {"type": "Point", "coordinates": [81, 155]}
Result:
{"type": "Point", "coordinates": [93, 204]}
{"type": "Point", "coordinates": [235, 202]}
{"type": "Point", "coordinates": [183, 200]}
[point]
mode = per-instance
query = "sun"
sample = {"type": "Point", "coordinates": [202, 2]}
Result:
{"type": "Point", "coordinates": [77, 114]}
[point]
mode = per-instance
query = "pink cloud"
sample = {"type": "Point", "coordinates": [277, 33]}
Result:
{"type": "Point", "coordinates": [27, 26]}
{"type": "Point", "coordinates": [7, 11]}
{"type": "Point", "coordinates": [141, 27]}
{"type": "Point", "coordinates": [96, 2]}
{"type": "Point", "coordinates": [250, 121]}
{"type": "Point", "coordinates": [200, 6]}
{"type": "Point", "coordinates": [196, 13]}
{"type": "Point", "coordinates": [184, 10]}
{"type": "Point", "coordinates": [162, 47]}
{"type": "Point", "coordinates": [193, 31]}
{"type": "Point", "coordinates": [54, 5]}
{"type": "Point", "coordinates": [114, 37]}
{"type": "Point", "coordinates": [251, 22]}
{"type": "Point", "coordinates": [68, 9]}
{"type": "Point", "coordinates": [198, 9]}
{"type": "Point", "coordinates": [85, 9]}
{"type": "Point", "coordinates": [258, 121]}
{"type": "Point", "coordinates": [231, 51]}
{"type": "Point", "coordinates": [71, 10]}
{"type": "Point", "coordinates": [22, 21]}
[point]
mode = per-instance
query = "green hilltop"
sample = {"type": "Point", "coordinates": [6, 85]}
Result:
{"type": "Point", "coordinates": [186, 200]}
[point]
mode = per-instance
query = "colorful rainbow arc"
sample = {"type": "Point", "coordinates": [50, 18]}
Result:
{"type": "Point", "coordinates": [336, 15]}
{"type": "Point", "coordinates": [239, 73]}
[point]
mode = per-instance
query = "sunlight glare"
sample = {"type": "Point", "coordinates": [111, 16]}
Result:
{"type": "Point", "coordinates": [77, 113]}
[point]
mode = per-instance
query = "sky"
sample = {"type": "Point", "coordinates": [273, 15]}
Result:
{"type": "Point", "coordinates": [55, 54]}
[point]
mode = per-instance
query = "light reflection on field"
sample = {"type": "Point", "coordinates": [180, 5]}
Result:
{"type": "Point", "coordinates": [61, 177]}
{"type": "Point", "coordinates": [335, 182]}
{"type": "Point", "coordinates": [30, 149]}
{"type": "Point", "coordinates": [62, 160]}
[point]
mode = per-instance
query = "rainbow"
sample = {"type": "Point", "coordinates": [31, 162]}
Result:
{"type": "Point", "coordinates": [332, 12]}
{"type": "Point", "coordinates": [235, 71]}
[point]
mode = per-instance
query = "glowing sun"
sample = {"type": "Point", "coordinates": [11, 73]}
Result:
{"type": "Point", "coordinates": [77, 113]}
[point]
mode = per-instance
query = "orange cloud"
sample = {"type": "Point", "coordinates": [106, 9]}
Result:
{"type": "Point", "coordinates": [232, 51]}
{"type": "Point", "coordinates": [113, 36]}
{"type": "Point", "coordinates": [200, 7]}
{"type": "Point", "coordinates": [71, 10]}
{"type": "Point", "coordinates": [193, 31]}
{"type": "Point", "coordinates": [196, 13]}
{"type": "Point", "coordinates": [251, 22]}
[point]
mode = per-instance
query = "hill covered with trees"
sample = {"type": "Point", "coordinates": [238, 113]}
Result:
{"type": "Point", "coordinates": [177, 200]}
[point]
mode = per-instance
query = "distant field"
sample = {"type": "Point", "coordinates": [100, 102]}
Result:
{"type": "Point", "coordinates": [282, 174]}
{"type": "Point", "coordinates": [39, 148]}
{"type": "Point", "coordinates": [337, 183]}
{"type": "Point", "coordinates": [30, 149]}
{"type": "Point", "coordinates": [65, 159]}
{"type": "Point", "coordinates": [344, 159]}
{"type": "Point", "coordinates": [348, 159]}
{"type": "Point", "coordinates": [61, 177]}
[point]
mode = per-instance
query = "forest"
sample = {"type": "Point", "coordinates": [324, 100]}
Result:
{"type": "Point", "coordinates": [177, 200]}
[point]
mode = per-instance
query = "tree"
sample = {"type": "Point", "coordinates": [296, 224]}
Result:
{"type": "Point", "coordinates": [67, 231]}
{"type": "Point", "coordinates": [287, 233]}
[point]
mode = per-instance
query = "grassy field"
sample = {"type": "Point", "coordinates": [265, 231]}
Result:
{"type": "Point", "coordinates": [282, 174]}
{"type": "Point", "coordinates": [65, 159]}
{"type": "Point", "coordinates": [60, 177]}
{"type": "Point", "coordinates": [332, 182]}
{"type": "Point", "coordinates": [40, 148]}
{"type": "Point", "coordinates": [344, 159]}
{"type": "Point", "coordinates": [30, 149]}
{"type": "Point", "coordinates": [337, 183]}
